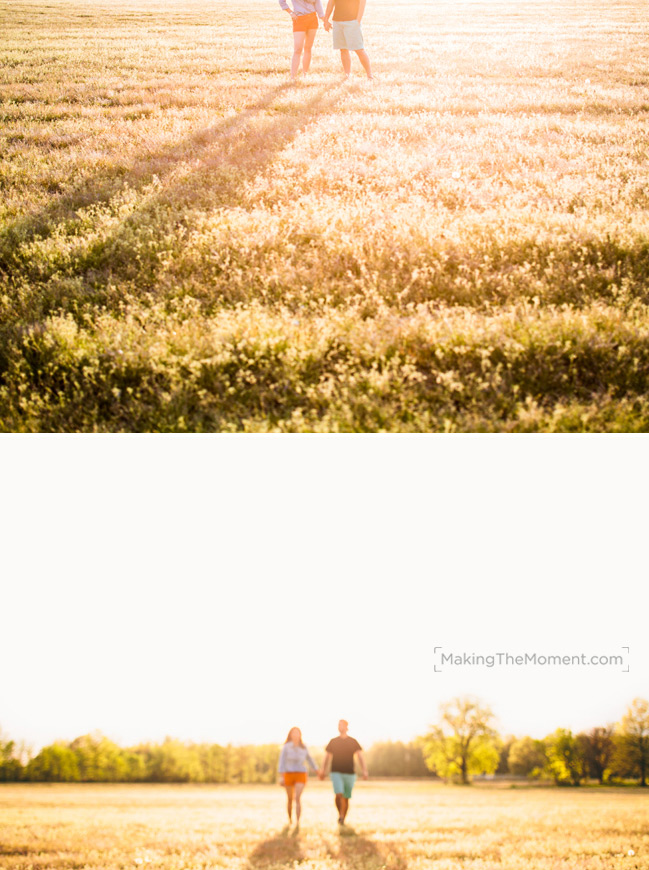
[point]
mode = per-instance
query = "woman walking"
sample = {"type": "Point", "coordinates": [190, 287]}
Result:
{"type": "Point", "coordinates": [293, 772]}
{"type": "Point", "coordinates": [305, 14]}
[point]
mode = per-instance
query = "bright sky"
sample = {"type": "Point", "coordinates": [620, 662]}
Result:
{"type": "Point", "coordinates": [225, 589]}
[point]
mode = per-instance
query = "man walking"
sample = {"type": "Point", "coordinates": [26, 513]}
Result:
{"type": "Point", "coordinates": [341, 752]}
{"type": "Point", "coordinates": [348, 35]}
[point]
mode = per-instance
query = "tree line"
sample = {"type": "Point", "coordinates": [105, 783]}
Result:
{"type": "Point", "coordinates": [95, 758]}
{"type": "Point", "coordinates": [463, 744]}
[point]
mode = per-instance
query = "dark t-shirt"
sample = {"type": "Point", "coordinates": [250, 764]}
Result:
{"type": "Point", "coordinates": [345, 10]}
{"type": "Point", "coordinates": [343, 749]}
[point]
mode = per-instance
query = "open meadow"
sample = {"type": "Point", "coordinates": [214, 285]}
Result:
{"type": "Point", "coordinates": [188, 242]}
{"type": "Point", "coordinates": [393, 826]}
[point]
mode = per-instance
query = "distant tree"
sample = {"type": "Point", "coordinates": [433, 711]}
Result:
{"type": "Point", "coordinates": [266, 759]}
{"type": "Point", "coordinates": [565, 762]}
{"type": "Point", "coordinates": [212, 761]}
{"type": "Point", "coordinates": [505, 749]}
{"type": "Point", "coordinates": [414, 761]}
{"type": "Point", "coordinates": [527, 757]}
{"type": "Point", "coordinates": [135, 765]}
{"type": "Point", "coordinates": [11, 769]}
{"type": "Point", "coordinates": [464, 742]}
{"type": "Point", "coordinates": [55, 763]}
{"type": "Point", "coordinates": [597, 748]}
{"type": "Point", "coordinates": [174, 761]}
{"type": "Point", "coordinates": [242, 764]}
{"type": "Point", "coordinates": [99, 759]}
{"type": "Point", "coordinates": [394, 758]}
{"type": "Point", "coordinates": [632, 756]}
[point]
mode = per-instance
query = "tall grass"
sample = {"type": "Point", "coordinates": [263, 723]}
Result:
{"type": "Point", "coordinates": [190, 243]}
{"type": "Point", "coordinates": [392, 826]}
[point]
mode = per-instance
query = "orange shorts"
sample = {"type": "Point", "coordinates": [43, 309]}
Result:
{"type": "Point", "coordinates": [305, 22]}
{"type": "Point", "coordinates": [292, 778]}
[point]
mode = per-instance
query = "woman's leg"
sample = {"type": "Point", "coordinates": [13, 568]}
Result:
{"type": "Point", "coordinates": [346, 60]}
{"type": "Point", "coordinates": [298, 45]}
{"type": "Point", "coordinates": [289, 804]}
{"type": "Point", "coordinates": [299, 788]}
{"type": "Point", "coordinates": [306, 63]}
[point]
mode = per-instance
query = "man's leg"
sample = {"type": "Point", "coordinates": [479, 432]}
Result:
{"type": "Point", "coordinates": [365, 61]}
{"type": "Point", "coordinates": [348, 785]}
{"type": "Point", "coordinates": [298, 45]}
{"type": "Point", "coordinates": [346, 60]}
{"type": "Point", "coordinates": [308, 45]}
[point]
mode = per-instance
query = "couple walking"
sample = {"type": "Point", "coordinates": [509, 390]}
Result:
{"type": "Point", "coordinates": [347, 35]}
{"type": "Point", "coordinates": [341, 752]}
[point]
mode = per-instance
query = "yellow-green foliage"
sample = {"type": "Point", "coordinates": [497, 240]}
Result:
{"type": "Point", "coordinates": [188, 242]}
{"type": "Point", "coordinates": [445, 757]}
{"type": "Point", "coordinates": [394, 826]}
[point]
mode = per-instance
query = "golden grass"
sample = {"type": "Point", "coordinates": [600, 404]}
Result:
{"type": "Point", "coordinates": [187, 242]}
{"type": "Point", "coordinates": [393, 826]}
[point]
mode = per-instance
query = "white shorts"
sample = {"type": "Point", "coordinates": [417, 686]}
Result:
{"type": "Point", "coordinates": [348, 34]}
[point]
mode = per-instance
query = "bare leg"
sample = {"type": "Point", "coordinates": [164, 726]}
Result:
{"type": "Point", "coordinates": [289, 803]}
{"type": "Point", "coordinates": [365, 61]}
{"type": "Point", "coordinates": [344, 807]}
{"type": "Point", "coordinates": [298, 45]}
{"type": "Point", "coordinates": [346, 61]}
{"type": "Point", "coordinates": [306, 60]}
{"type": "Point", "coordinates": [299, 788]}
{"type": "Point", "coordinates": [339, 805]}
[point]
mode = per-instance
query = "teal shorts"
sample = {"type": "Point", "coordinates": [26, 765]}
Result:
{"type": "Point", "coordinates": [348, 35]}
{"type": "Point", "coordinates": [343, 783]}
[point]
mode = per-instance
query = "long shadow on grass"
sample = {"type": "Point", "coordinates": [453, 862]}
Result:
{"type": "Point", "coordinates": [277, 851]}
{"type": "Point", "coordinates": [357, 851]}
{"type": "Point", "coordinates": [105, 184]}
{"type": "Point", "coordinates": [231, 158]}
{"type": "Point", "coordinates": [224, 159]}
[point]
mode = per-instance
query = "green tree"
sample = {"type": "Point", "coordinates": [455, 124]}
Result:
{"type": "Point", "coordinates": [633, 741]}
{"type": "Point", "coordinates": [99, 759]}
{"type": "Point", "coordinates": [527, 757]}
{"type": "Point", "coordinates": [212, 759]}
{"type": "Point", "coordinates": [414, 761]}
{"type": "Point", "coordinates": [266, 760]}
{"type": "Point", "coordinates": [464, 742]}
{"type": "Point", "coordinates": [174, 761]}
{"type": "Point", "coordinates": [55, 763]}
{"type": "Point", "coordinates": [598, 748]}
{"type": "Point", "coordinates": [565, 761]}
{"type": "Point", "coordinates": [241, 764]}
{"type": "Point", "coordinates": [11, 769]}
{"type": "Point", "coordinates": [505, 749]}
{"type": "Point", "coordinates": [135, 763]}
{"type": "Point", "coordinates": [394, 758]}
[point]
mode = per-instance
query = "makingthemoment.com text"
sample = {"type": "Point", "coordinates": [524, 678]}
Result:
{"type": "Point", "coordinates": [503, 658]}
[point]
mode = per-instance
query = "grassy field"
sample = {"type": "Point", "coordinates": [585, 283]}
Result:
{"type": "Point", "coordinates": [188, 242]}
{"type": "Point", "coordinates": [393, 826]}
